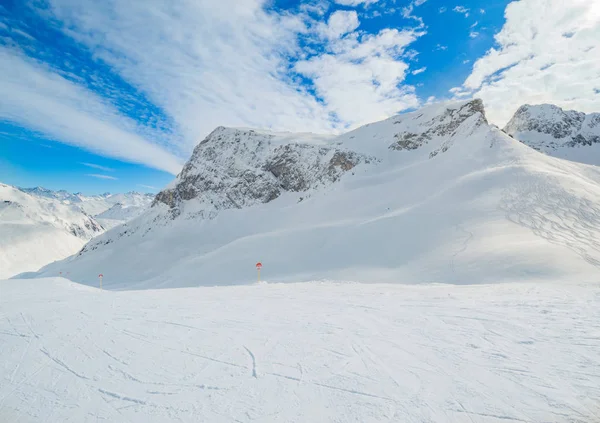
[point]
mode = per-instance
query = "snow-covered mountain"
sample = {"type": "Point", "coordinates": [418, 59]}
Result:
{"type": "Point", "coordinates": [566, 134]}
{"type": "Point", "coordinates": [39, 226]}
{"type": "Point", "coordinates": [436, 195]}
{"type": "Point", "coordinates": [36, 230]}
{"type": "Point", "coordinates": [94, 204]}
{"type": "Point", "coordinates": [121, 213]}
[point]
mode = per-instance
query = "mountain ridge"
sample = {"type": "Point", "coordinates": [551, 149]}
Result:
{"type": "Point", "coordinates": [452, 205]}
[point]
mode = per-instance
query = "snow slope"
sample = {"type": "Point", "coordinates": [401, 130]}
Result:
{"type": "Point", "coordinates": [35, 231]}
{"type": "Point", "coordinates": [566, 134]}
{"type": "Point", "coordinates": [313, 352]}
{"type": "Point", "coordinates": [436, 195]}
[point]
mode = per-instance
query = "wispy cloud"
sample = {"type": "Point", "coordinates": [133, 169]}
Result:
{"type": "Point", "coordinates": [147, 186]}
{"type": "Point", "coordinates": [463, 10]}
{"type": "Point", "coordinates": [95, 166]}
{"type": "Point", "coordinates": [38, 98]}
{"type": "Point", "coordinates": [355, 2]}
{"type": "Point", "coordinates": [98, 176]}
{"type": "Point", "coordinates": [420, 70]}
{"type": "Point", "coordinates": [224, 61]}
{"type": "Point", "coordinates": [253, 72]}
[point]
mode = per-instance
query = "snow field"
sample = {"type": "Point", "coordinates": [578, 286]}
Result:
{"type": "Point", "coordinates": [337, 352]}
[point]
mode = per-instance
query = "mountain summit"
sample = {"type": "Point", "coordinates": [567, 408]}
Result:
{"type": "Point", "coordinates": [236, 168]}
{"type": "Point", "coordinates": [566, 134]}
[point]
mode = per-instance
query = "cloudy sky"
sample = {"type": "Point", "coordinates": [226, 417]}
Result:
{"type": "Point", "coordinates": [113, 95]}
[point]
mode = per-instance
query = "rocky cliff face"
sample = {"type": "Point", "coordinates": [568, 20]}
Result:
{"type": "Point", "coordinates": [555, 131]}
{"type": "Point", "coordinates": [442, 125]}
{"type": "Point", "coordinates": [236, 168]}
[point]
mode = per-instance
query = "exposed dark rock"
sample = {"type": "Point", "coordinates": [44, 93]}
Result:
{"type": "Point", "coordinates": [235, 168]}
{"type": "Point", "coordinates": [443, 125]}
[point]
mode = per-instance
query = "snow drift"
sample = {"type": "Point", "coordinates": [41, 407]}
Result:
{"type": "Point", "coordinates": [436, 195]}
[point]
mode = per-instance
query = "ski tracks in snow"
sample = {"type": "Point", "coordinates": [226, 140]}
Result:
{"type": "Point", "coordinates": [251, 354]}
{"type": "Point", "coordinates": [309, 352]}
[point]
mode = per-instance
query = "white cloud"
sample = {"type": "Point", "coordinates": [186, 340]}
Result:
{"type": "Point", "coordinates": [442, 9]}
{"type": "Point", "coordinates": [147, 186]}
{"type": "Point", "coordinates": [473, 34]}
{"type": "Point", "coordinates": [441, 47]}
{"type": "Point", "coordinates": [475, 24]}
{"type": "Point", "coordinates": [418, 71]}
{"type": "Point", "coordinates": [97, 176]}
{"type": "Point", "coordinates": [463, 10]}
{"type": "Point", "coordinates": [551, 57]}
{"type": "Point", "coordinates": [482, 11]}
{"type": "Point", "coordinates": [408, 10]}
{"type": "Point", "coordinates": [37, 98]}
{"type": "Point", "coordinates": [205, 63]}
{"type": "Point", "coordinates": [355, 2]}
{"type": "Point", "coordinates": [95, 166]}
{"type": "Point", "coordinates": [466, 61]}
{"type": "Point", "coordinates": [360, 78]}
{"type": "Point", "coordinates": [459, 92]}
{"type": "Point", "coordinates": [340, 23]}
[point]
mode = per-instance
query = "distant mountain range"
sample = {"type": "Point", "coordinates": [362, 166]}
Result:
{"type": "Point", "coordinates": [109, 209]}
{"type": "Point", "coordinates": [38, 225]}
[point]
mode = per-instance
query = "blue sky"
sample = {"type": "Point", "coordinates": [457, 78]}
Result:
{"type": "Point", "coordinates": [114, 95]}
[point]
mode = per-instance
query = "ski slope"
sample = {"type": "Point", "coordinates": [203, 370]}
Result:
{"type": "Point", "coordinates": [446, 198]}
{"type": "Point", "coordinates": [313, 352]}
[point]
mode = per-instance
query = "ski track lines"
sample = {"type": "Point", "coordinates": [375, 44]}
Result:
{"type": "Point", "coordinates": [300, 352]}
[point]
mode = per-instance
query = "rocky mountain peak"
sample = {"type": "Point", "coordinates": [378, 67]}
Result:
{"type": "Point", "coordinates": [547, 119]}
{"type": "Point", "coordinates": [552, 130]}
{"type": "Point", "coordinates": [235, 168]}
{"type": "Point", "coordinates": [443, 124]}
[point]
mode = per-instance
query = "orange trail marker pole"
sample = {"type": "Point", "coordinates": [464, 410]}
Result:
{"type": "Point", "coordinates": [100, 276]}
{"type": "Point", "coordinates": [258, 267]}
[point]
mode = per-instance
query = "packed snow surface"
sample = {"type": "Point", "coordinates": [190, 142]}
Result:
{"type": "Point", "coordinates": [313, 352]}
